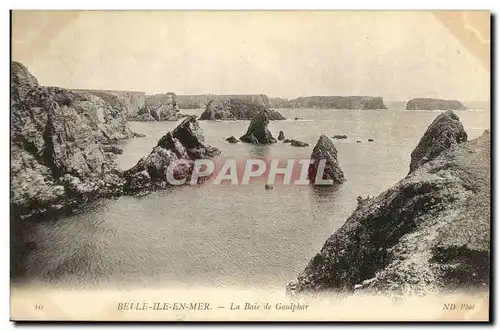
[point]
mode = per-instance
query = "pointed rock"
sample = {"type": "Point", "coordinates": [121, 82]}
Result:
{"type": "Point", "coordinates": [429, 233]}
{"type": "Point", "coordinates": [257, 132]}
{"type": "Point", "coordinates": [185, 143]}
{"type": "Point", "coordinates": [444, 132]}
{"type": "Point", "coordinates": [325, 150]}
{"type": "Point", "coordinates": [281, 136]}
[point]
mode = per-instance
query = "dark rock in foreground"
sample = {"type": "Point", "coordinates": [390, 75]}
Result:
{"type": "Point", "coordinates": [445, 131]}
{"type": "Point", "coordinates": [236, 109]}
{"type": "Point", "coordinates": [57, 158]}
{"type": "Point", "coordinates": [434, 104]}
{"type": "Point", "coordinates": [186, 142]}
{"type": "Point", "coordinates": [428, 233]}
{"type": "Point", "coordinates": [258, 133]}
{"type": "Point", "coordinates": [232, 140]}
{"type": "Point", "coordinates": [281, 136]}
{"type": "Point", "coordinates": [325, 150]}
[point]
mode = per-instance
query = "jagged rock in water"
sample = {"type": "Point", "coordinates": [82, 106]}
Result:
{"type": "Point", "coordinates": [56, 155]}
{"type": "Point", "coordinates": [237, 109]}
{"type": "Point", "coordinates": [186, 142]}
{"type": "Point", "coordinates": [232, 140]}
{"type": "Point", "coordinates": [281, 136]}
{"type": "Point", "coordinates": [325, 150]}
{"type": "Point", "coordinates": [446, 130]}
{"type": "Point", "coordinates": [340, 136]}
{"type": "Point", "coordinates": [434, 104]}
{"type": "Point", "coordinates": [429, 233]}
{"type": "Point", "coordinates": [370, 140]}
{"type": "Point", "coordinates": [287, 141]}
{"type": "Point", "coordinates": [258, 133]}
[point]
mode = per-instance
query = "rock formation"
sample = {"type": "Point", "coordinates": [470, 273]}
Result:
{"type": "Point", "coordinates": [258, 133]}
{"type": "Point", "coordinates": [340, 136]}
{"type": "Point", "coordinates": [281, 136]}
{"type": "Point", "coordinates": [446, 130]}
{"type": "Point", "coordinates": [57, 157]}
{"type": "Point", "coordinates": [236, 109]}
{"type": "Point", "coordinates": [337, 102]}
{"type": "Point", "coordinates": [158, 112]}
{"type": "Point", "coordinates": [428, 233]}
{"type": "Point", "coordinates": [434, 104]}
{"type": "Point", "coordinates": [186, 142]}
{"type": "Point", "coordinates": [202, 100]}
{"type": "Point", "coordinates": [325, 150]}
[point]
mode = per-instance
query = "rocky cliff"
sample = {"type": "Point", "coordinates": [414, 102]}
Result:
{"type": "Point", "coordinates": [57, 138]}
{"type": "Point", "coordinates": [337, 102]}
{"type": "Point", "coordinates": [279, 103]}
{"type": "Point", "coordinates": [194, 101]}
{"type": "Point", "coordinates": [60, 141]}
{"type": "Point", "coordinates": [128, 101]}
{"type": "Point", "coordinates": [430, 232]}
{"type": "Point", "coordinates": [434, 104]}
{"type": "Point", "coordinates": [445, 131]}
{"type": "Point", "coordinates": [237, 109]}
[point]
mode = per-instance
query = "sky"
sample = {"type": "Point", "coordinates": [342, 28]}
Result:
{"type": "Point", "coordinates": [397, 55]}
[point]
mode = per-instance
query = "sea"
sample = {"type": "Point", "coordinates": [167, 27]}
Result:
{"type": "Point", "coordinates": [230, 235]}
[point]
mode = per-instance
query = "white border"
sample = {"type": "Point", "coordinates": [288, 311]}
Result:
{"type": "Point", "coordinates": [190, 4]}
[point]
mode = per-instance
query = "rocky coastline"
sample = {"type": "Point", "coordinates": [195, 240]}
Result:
{"type": "Point", "coordinates": [62, 146]}
{"type": "Point", "coordinates": [428, 233]}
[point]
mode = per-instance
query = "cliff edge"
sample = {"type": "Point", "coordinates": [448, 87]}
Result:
{"type": "Point", "coordinates": [430, 232]}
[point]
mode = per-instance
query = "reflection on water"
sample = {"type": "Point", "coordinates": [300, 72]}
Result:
{"type": "Point", "coordinates": [226, 235]}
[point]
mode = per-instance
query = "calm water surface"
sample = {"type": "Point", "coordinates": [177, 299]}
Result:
{"type": "Point", "coordinates": [231, 235]}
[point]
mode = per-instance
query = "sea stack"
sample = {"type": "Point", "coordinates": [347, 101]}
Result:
{"type": "Point", "coordinates": [281, 136]}
{"type": "Point", "coordinates": [445, 131]}
{"type": "Point", "coordinates": [325, 150]}
{"type": "Point", "coordinates": [185, 143]}
{"type": "Point", "coordinates": [428, 234]}
{"type": "Point", "coordinates": [258, 133]}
